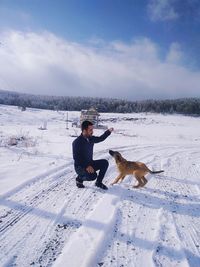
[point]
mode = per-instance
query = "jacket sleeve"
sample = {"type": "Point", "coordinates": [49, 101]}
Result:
{"type": "Point", "coordinates": [98, 139]}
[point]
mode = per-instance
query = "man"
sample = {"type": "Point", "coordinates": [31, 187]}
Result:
{"type": "Point", "coordinates": [84, 164]}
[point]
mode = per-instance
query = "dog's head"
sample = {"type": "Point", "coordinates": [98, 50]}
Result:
{"type": "Point", "coordinates": [116, 155]}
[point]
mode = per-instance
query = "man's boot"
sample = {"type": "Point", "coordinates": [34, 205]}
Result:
{"type": "Point", "coordinates": [79, 183]}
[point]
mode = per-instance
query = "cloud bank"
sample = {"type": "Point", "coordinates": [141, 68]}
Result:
{"type": "Point", "coordinates": [43, 63]}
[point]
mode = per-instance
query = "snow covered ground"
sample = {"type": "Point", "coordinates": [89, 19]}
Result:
{"type": "Point", "coordinates": [46, 221]}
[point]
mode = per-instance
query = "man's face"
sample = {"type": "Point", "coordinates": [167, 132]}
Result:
{"type": "Point", "coordinates": [89, 131]}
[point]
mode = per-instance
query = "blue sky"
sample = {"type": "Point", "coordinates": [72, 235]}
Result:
{"type": "Point", "coordinates": [136, 49]}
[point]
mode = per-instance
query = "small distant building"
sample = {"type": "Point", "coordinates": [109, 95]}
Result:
{"type": "Point", "coordinates": [90, 115]}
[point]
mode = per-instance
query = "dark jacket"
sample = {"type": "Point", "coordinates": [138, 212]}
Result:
{"type": "Point", "coordinates": [83, 148]}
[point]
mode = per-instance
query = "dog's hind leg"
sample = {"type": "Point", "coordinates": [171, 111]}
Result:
{"type": "Point", "coordinates": [144, 181]}
{"type": "Point", "coordinates": [120, 176]}
{"type": "Point", "coordinates": [138, 178]}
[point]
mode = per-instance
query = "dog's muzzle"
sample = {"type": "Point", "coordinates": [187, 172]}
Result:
{"type": "Point", "coordinates": [111, 152]}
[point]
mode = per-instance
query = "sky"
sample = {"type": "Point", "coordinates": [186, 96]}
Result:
{"type": "Point", "coordinates": [129, 49]}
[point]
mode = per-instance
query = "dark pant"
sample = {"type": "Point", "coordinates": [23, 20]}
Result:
{"type": "Point", "coordinates": [100, 165]}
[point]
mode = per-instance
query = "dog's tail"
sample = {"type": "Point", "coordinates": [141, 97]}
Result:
{"type": "Point", "coordinates": [153, 172]}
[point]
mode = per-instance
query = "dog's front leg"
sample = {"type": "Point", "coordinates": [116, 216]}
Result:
{"type": "Point", "coordinates": [117, 179]}
{"type": "Point", "coordinates": [122, 178]}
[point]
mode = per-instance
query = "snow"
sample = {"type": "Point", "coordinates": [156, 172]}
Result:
{"type": "Point", "coordinates": [93, 232]}
{"type": "Point", "coordinates": [45, 220]}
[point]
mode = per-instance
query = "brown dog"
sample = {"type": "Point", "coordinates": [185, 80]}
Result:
{"type": "Point", "coordinates": [138, 169]}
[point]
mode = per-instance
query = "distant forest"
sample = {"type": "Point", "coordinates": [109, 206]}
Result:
{"type": "Point", "coordinates": [188, 106]}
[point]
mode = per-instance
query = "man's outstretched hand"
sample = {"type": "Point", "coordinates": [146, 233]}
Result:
{"type": "Point", "coordinates": [90, 169]}
{"type": "Point", "coordinates": [111, 130]}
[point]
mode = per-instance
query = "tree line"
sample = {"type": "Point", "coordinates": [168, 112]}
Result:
{"type": "Point", "coordinates": [188, 106]}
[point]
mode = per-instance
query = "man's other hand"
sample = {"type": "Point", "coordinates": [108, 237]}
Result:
{"type": "Point", "coordinates": [111, 130]}
{"type": "Point", "coordinates": [90, 169]}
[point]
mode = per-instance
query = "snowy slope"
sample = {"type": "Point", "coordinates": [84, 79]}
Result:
{"type": "Point", "coordinates": [46, 221]}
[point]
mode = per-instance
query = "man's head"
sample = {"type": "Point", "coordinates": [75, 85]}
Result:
{"type": "Point", "coordinates": [87, 128]}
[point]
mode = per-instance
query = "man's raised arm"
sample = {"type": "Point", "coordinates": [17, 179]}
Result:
{"type": "Point", "coordinates": [98, 139]}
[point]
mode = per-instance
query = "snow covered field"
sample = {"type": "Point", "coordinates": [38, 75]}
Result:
{"type": "Point", "coordinates": [46, 221]}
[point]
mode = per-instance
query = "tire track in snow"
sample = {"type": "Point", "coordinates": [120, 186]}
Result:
{"type": "Point", "coordinates": [183, 215]}
{"type": "Point", "coordinates": [37, 217]}
{"type": "Point", "coordinates": [32, 197]}
{"type": "Point", "coordinates": [128, 246]}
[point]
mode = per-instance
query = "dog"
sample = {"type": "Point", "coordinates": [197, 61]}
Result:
{"type": "Point", "coordinates": [138, 169]}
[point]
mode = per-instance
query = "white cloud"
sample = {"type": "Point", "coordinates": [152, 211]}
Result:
{"type": "Point", "coordinates": [175, 54]}
{"type": "Point", "coordinates": [46, 64]}
{"type": "Point", "coordinates": [162, 10]}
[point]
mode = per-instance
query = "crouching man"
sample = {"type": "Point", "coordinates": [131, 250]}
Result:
{"type": "Point", "coordinates": [84, 164]}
